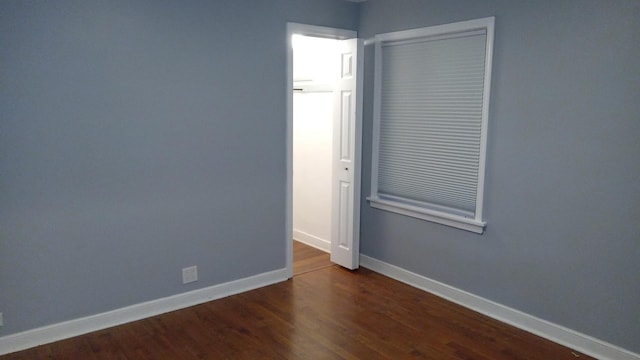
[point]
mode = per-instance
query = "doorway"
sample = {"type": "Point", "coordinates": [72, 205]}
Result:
{"type": "Point", "coordinates": [315, 62]}
{"type": "Point", "coordinates": [323, 141]}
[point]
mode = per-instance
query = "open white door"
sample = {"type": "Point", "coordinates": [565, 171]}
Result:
{"type": "Point", "coordinates": [347, 128]}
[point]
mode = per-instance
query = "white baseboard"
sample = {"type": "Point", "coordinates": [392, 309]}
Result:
{"type": "Point", "coordinates": [312, 240]}
{"type": "Point", "coordinates": [556, 333]}
{"type": "Point", "coordinates": [68, 329]}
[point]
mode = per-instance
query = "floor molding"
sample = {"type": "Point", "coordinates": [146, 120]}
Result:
{"type": "Point", "coordinates": [312, 240]}
{"type": "Point", "coordinates": [556, 333]}
{"type": "Point", "coordinates": [51, 333]}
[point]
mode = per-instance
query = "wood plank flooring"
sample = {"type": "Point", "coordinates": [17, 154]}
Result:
{"type": "Point", "coordinates": [307, 258]}
{"type": "Point", "coordinates": [328, 313]}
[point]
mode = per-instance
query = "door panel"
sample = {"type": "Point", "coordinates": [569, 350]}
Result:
{"type": "Point", "coordinates": [346, 153]}
{"type": "Point", "coordinates": [345, 127]}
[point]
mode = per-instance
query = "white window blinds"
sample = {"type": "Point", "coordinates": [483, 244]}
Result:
{"type": "Point", "coordinates": [430, 126]}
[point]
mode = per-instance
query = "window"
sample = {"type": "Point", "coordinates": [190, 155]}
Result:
{"type": "Point", "coordinates": [431, 99]}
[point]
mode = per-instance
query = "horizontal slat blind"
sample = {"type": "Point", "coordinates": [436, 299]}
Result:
{"type": "Point", "coordinates": [430, 119]}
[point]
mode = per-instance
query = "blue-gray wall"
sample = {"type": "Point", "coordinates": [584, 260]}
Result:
{"type": "Point", "coordinates": [562, 197]}
{"type": "Point", "coordinates": [137, 138]}
{"type": "Point", "coordinates": [140, 137]}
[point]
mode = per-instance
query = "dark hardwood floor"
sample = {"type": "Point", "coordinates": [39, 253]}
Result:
{"type": "Point", "coordinates": [307, 258]}
{"type": "Point", "coordinates": [328, 313]}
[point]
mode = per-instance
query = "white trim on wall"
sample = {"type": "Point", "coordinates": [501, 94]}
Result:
{"type": "Point", "coordinates": [75, 327]}
{"type": "Point", "coordinates": [548, 330]}
{"type": "Point", "coordinates": [312, 240]}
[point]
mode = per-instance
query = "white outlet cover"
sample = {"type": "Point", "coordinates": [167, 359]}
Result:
{"type": "Point", "coordinates": [189, 274]}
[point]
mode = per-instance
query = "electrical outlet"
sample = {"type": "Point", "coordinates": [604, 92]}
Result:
{"type": "Point", "coordinates": [189, 274]}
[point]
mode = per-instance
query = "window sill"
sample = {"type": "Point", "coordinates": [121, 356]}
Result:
{"type": "Point", "coordinates": [439, 217]}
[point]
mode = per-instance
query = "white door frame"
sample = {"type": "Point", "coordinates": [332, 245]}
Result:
{"type": "Point", "coordinates": [308, 30]}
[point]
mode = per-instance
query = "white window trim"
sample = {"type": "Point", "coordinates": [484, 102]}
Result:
{"type": "Point", "coordinates": [474, 223]}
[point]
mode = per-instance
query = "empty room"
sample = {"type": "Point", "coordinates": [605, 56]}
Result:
{"type": "Point", "coordinates": [481, 196]}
